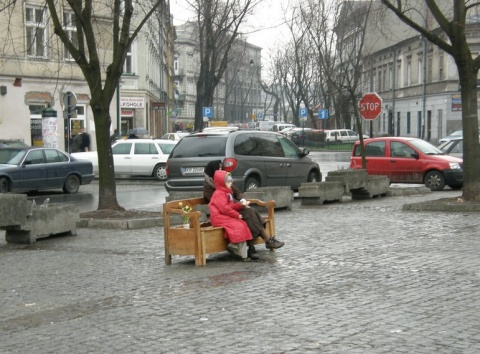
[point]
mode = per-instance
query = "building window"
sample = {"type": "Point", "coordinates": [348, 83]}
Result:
{"type": "Point", "coordinates": [399, 70]}
{"type": "Point", "coordinates": [128, 65]}
{"type": "Point", "coordinates": [390, 84]}
{"type": "Point", "coordinates": [384, 83]}
{"type": "Point", "coordinates": [409, 73]}
{"type": "Point", "coordinates": [409, 123]}
{"type": "Point", "coordinates": [420, 70]}
{"type": "Point", "coordinates": [70, 25]}
{"type": "Point", "coordinates": [36, 28]}
{"type": "Point", "coordinates": [429, 70]}
{"type": "Point", "coordinates": [379, 80]}
{"type": "Point", "coordinates": [441, 68]}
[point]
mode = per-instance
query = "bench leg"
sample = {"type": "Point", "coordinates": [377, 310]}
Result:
{"type": "Point", "coordinates": [168, 257]}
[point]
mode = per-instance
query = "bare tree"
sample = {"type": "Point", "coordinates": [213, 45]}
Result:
{"type": "Point", "coordinates": [219, 24]}
{"type": "Point", "coordinates": [445, 25]}
{"type": "Point", "coordinates": [113, 25]}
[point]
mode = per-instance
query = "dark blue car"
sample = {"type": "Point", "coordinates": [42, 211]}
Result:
{"type": "Point", "coordinates": [30, 168]}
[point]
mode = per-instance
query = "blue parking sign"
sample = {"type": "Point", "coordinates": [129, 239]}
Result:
{"type": "Point", "coordinates": [208, 111]}
{"type": "Point", "coordinates": [303, 112]}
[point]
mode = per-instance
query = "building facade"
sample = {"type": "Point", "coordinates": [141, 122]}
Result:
{"type": "Point", "coordinates": [237, 97]}
{"type": "Point", "coordinates": [36, 72]}
{"type": "Point", "coordinates": [417, 81]}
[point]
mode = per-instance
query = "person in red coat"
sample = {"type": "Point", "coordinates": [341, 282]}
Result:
{"type": "Point", "coordinates": [224, 211]}
{"type": "Point", "coordinates": [251, 216]}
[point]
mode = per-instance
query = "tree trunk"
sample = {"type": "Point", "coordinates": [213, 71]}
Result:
{"type": "Point", "coordinates": [471, 146]}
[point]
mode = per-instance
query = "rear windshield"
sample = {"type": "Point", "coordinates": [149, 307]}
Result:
{"type": "Point", "coordinates": [200, 146]}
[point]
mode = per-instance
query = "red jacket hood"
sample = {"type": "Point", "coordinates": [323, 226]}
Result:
{"type": "Point", "coordinates": [219, 180]}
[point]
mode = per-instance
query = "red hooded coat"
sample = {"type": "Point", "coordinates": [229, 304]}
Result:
{"type": "Point", "coordinates": [224, 211]}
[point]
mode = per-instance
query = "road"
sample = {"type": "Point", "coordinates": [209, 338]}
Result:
{"type": "Point", "coordinates": [148, 194]}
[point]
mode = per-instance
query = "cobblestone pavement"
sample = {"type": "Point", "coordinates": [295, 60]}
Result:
{"type": "Point", "coordinates": [353, 277]}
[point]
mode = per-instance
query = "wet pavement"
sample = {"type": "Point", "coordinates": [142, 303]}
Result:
{"type": "Point", "coordinates": [353, 277]}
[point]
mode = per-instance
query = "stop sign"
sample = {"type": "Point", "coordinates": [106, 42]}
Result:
{"type": "Point", "coordinates": [370, 106]}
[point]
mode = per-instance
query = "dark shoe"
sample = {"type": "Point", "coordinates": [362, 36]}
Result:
{"type": "Point", "coordinates": [274, 243]}
{"type": "Point", "coordinates": [252, 253]}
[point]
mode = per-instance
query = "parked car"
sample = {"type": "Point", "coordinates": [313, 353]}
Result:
{"type": "Point", "coordinates": [342, 135]}
{"type": "Point", "coordinates": [174, 136]}
{"type": "Point", "coordinates": [28, 168]}
{"type": "Point", "coordinates": [136, 157]}
{"type": "Point", "coordinates": [264, 124]}
{"type": "Point", "coordinates": [11, 143]}
{"type": "Point", "coordinates": [409, 160]}
{"type": "Point", "coordinates": [254, 158]}
{"type": "Point", "coordinates": [454, 135]}
{"type": "Point", "coordinates": [453, 147]}
{"type": "Point", "coordinates": [279, 127]}
{"type": "Point", "coordinates": [296, 135]}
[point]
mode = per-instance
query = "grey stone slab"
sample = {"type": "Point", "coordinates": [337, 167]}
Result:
{"type": "Point", "coordinates": [14, 209]}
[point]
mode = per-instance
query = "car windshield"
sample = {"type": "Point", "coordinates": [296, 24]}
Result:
{"type": "Point", "coordinates": [11, 156]}
{"type": "Point", "coordinates": [200, 146]}
{"type": "Point", "coordinates": [425, 147]}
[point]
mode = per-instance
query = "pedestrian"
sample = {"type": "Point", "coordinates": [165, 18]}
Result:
{"type": "Point", "coordinates": [84, 140]}
{"type": "Point", "coordinates": [114, 137]}
{"type": "Point", "coordinates": [252, 218]}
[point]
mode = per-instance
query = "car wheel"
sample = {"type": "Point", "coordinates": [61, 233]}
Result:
{"type": "Point", "coordinates": [456, 186]}
{"type": "Point", "coordinates": [160, 172]}
{"type": "Point", "coordinates": [4, 187]}
{"type": "Point", "coordinates": [72, 184]}
{"type": "Point", "coordinates": [251, 183]}
{"type": "Point", "coordinates": [435, 180]}
{"type": "Point", "coordinates": [313, 177]}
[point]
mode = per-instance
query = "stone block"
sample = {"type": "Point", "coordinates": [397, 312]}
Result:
{"type": "Point", "coordinates": [283, 196]}
{"type": "Point", "coordinates": [44, 222]}
{"type": "Point", "coordinates": [351, 179]}
{"type": "Point", "coordinates": [315, 193]}
{"type": "Point", "coordinates": [376, 186]}
{"type": "Point", "coordinates": [14, 209]}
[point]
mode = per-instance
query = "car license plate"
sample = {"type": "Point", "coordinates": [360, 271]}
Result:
{"type": "Point", "coordinates": [193, 170]}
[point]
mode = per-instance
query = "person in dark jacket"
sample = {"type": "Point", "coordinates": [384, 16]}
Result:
{"type": "Point", "coordinates": [253, 219]}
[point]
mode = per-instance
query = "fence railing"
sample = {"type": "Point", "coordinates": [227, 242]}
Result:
{"type": "Point", "coordinates": [331, 146]}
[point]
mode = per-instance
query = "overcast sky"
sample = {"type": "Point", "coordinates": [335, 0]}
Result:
{"type": "Point", "coordinates": [265, 28]}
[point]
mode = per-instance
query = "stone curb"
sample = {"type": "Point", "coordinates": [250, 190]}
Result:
{"type": "Point", "coordinates": [132, 224]}
{"type": "Point", "coordinates": [442, 207]}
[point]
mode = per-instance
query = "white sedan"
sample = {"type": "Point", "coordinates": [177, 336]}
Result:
{"type": "Point", "coordinates": [136, 157]}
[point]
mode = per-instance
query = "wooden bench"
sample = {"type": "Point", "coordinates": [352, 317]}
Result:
{"type": "Point", "coordinates": [202, 239]}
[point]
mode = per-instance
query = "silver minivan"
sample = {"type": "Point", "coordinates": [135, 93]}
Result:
{"type": "Point", "coordinates": [254, 158]}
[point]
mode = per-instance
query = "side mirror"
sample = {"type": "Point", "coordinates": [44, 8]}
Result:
{"type": "Point", "coordinates": [415, 155]}
{"type": "Point", "coordinates": [305, 152]}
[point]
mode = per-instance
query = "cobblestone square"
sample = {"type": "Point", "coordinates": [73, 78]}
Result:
{"type": "Point", "coordinates": [353, 277]}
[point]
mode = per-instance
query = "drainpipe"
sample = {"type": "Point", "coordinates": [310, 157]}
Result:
{"type": "Point", "coordinates": [390, 118]}
{"type": "Point", "coordinates": [424, 84]}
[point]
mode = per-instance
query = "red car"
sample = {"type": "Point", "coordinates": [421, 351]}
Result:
{"type": "Point", "coordinates": [409, 160]}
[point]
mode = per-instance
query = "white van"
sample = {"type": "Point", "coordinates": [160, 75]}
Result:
{"type": "Point", "coordinates": [342, 135]}
{"type": "Point", "coordinates": [264, 125]}
{"type": "Point", "coordinates": [278, 127]}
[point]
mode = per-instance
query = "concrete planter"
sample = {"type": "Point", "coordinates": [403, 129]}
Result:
{"type": "Point", "coordinates": [44, 222]}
